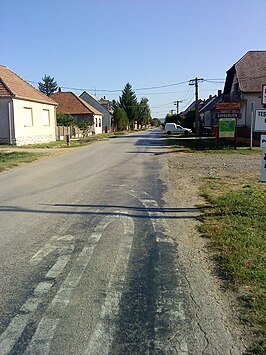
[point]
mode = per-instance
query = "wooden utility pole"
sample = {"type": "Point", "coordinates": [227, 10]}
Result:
{"type": "Point", "coordinates": [177, 106]}
{"type": "Point", "coordinates": [195, 82]}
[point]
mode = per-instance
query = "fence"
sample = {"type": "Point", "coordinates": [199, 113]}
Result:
{"type": "Point", "coordinates": [74, 132]}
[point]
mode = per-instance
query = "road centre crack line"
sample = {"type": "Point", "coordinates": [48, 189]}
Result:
{"type": "Point", "coordinates": [175, 313]}
{"type": "Point", "coordinates": [102, 337]}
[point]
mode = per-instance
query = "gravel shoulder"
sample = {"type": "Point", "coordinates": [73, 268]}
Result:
{"type": "Point", "coordinates": [216, 310]}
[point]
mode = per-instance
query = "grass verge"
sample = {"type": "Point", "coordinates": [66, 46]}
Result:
{"type": "Point", "coordinates": [10, 159]}
{"type": "Point", "coordinates": [207, 145]}
{"type": "Point", "coordinates": [75, 142]}
{"type": "Point", "coordinates": [235, 222]}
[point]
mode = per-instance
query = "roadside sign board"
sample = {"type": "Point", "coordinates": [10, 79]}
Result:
{"type": "Point", "coordinates": [227, 127]}
{"type": "Point", "coordinates": [263, 169]}
{"type": "Point", "coordinates": [260, 120]}
{"type": "Point", "coordinates": [263, 141]}
{"type": "Point", "coordinates": [263, 95]}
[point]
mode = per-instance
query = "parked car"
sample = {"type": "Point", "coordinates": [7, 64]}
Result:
{"type": "Point", "coordinates": [175, 128]}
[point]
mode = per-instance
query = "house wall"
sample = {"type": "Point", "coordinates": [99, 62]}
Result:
{"type": "Point", "coordinates": [38, 131]}
{"type": "Point", "coordinates": [247, 107]}
{"type": "Point", "coordinates": [106, 115]}
{"type": "Point", "coordinates": [98, 122]}
{"type": "Point", "coordinates": [246, 100]}
{"type": "Point", "coordinates": [207, 119]}
{"type": "Point", "coordinates": [4, 122]}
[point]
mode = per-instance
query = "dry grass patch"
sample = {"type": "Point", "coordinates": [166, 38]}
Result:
{"type": "Point", "coordinates": [9, 160]}
{"type": "Point", "coordinates": [235, 222]}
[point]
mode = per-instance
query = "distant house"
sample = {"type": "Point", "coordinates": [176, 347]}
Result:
{"type": "Point", "coordinates": [243, 85]}
{"type": "Point", "coordinates": [71, 104]}
{"type": "Point", "coordinates": [207, 113]}
{"type": "Point", "coordinates": [101, 105]}
{"type": "Point", "coordinates": [27, 116]}
{"type": "Point", "coordinates": [191, 107]}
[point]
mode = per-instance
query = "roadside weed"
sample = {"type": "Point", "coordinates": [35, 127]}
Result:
{"type": "Point", "coordinates": [11, 159]}
{"type": "Point", "coordinates": [235, 223]}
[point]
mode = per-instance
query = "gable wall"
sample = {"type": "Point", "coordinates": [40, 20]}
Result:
{"type": "Point", "coordinates": [98, 122]}
{"type": "Point", "coordinates": [38, 131]}
{"type": "Point", "coordinates": [246, 107]}
{"type": "Point", "coordinates": [99, 107]}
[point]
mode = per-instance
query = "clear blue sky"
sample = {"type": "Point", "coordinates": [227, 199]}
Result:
{"type": "Point", "coordinates": [103, 44]}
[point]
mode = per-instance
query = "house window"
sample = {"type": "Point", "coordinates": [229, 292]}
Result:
{"type": "Point", "coordinates": [28, 121]}
{"type": "Point", "coordinates": [100, 122]}
{"type": "Point", "coordinates": [96, 122]}
{"type": "Point", "coordinates": [46, 117]}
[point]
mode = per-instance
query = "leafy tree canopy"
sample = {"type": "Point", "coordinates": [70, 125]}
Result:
{"type": "Point", "coordinates": [172, 118]}
{"type": "Point", "coordinates": [85, 127]}
{"type": "Point", "coordinates": [120, 118]}
{"type": "Point", "coordinates": [155, 122]}
{"type": "Point", "coordinates": [189, 120]}
{"type": "Point", "coordinates": [65, 120]}
{"type": "Point", "coordinates": [48, 86]}
{"type": "Point", "coordinates": [128, 101]}
{"type": "Point", "coordinates": [144, 114]}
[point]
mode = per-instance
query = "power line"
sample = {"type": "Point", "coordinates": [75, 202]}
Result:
{"type": "Point", "coordinates": [213, 81]}
{"type": "Point", "coordinates": [163, 86]}
{"type": "Point", "coordinates": [118, 90]}
{"type": "Point", "coordinates": [169, 103]}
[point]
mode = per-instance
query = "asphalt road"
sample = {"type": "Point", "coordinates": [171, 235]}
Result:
{"type": "Point", "coordinates": [86, 263]}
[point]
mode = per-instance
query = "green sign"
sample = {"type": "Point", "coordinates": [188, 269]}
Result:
{"type": "Point", "coordinates": [227, 127]}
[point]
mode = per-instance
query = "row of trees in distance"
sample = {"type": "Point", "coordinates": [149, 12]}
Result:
{"type": "Point", "coordinates": [127, 110]}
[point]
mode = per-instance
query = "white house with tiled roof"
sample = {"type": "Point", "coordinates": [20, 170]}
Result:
{"type": "Point", "coordinates": [243, 85]}
{"type": "Point", "coordinates": [27, 116]}
{"type": "Point", "coordinates": [71, 104]}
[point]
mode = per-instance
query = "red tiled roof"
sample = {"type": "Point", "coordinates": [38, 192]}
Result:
{"type": "Point", "coordinates": [11, 85]}
{"type": "Point", "coordinates": [4, 91]}
{"type": "Point", "coordinates": [71, 104]}
{"type": "Point", "coordinates": [251, 71]}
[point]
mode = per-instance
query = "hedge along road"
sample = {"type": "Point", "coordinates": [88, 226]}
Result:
{"type": "Point", "coordinates": [88, 265]}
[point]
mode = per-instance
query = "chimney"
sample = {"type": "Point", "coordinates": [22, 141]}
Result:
{"type": "Point", "coordinates": [59, 89]}
{"type": "Point", "coordinates": [210, 96]}
{"type": "Point", "coordinates": [219, 92]}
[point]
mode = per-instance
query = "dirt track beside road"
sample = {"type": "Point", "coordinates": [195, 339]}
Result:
{"type": "Point", "coordinates": [183, 174]}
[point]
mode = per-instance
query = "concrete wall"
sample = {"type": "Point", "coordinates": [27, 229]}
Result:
{"type": "Point", "coordinates": [39, 131]}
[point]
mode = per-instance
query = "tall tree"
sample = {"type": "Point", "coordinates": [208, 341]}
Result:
{"type": "Point", "coordinates": [48, 86]}
{"type": "Point", "coordinates": [175, 118]}
{"type": "Point", "coordinates": [155, 122]}
{"type": "Point", "coordinates": [144, 114]}
{"type": "Point", "coordinates": [128, 101]}
{"type": "Point", "coordinates": [189, 120]}
{"type": "Point", "coordinates": [120, 118]}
